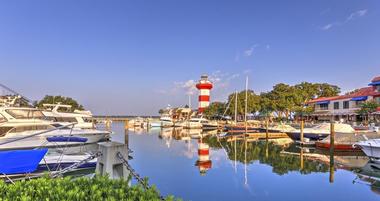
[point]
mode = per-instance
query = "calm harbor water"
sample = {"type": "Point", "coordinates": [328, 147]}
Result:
{"type": "Point", "coordinates": [242, 170]}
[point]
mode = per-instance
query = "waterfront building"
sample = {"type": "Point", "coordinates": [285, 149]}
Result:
{"type": "Point", "coordinates": [345, 106]}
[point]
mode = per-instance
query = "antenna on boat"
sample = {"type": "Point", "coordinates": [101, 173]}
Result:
{"type": "Point", "coordinates": [236, 98]}
{"type": "Point", "coordinates": [246, 104]}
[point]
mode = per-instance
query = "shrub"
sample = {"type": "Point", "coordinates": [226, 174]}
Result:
{"type": "Point", "coordinates": [97, 188]}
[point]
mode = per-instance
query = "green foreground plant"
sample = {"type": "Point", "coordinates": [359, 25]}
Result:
{"type": "Point", "coordinates": [97, 188]}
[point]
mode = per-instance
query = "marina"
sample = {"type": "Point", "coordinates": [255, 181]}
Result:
{"type": "Point", "coordinates": [189, 100]}
{"type": "Point", "coordinates": [191, 152]}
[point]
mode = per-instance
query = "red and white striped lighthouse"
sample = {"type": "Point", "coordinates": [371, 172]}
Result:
{"type": "Point", "coordinates": [204, 86]}
{"type": "Point", "coordinates": [204, 163]}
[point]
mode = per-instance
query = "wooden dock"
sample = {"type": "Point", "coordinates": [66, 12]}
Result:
{"type": "Point", "coordinates": [258, 136]}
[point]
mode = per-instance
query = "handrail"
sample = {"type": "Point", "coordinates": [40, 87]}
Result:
{"type": "Point", "coordinates": [39, 133]}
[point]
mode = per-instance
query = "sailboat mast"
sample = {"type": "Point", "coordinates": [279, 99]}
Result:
{"type": "Point", "coordinates": [246, 104]}
{"type": "Point", "coordinates": [236, 94]}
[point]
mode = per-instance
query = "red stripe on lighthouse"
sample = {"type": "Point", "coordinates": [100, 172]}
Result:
{"type": "Point", "coordinates": [204, 98]}
{"type": "Point", "coordinates": [203, 152]}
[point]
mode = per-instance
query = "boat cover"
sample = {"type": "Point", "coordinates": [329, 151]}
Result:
{"type": "Point", "coordinates": [66, 139]}
{"type": "Point", "coordinates": [20, 161]}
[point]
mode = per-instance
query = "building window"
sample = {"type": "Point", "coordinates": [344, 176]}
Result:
{"type": "Point", "coordinates": [378, 88]}
{"type": "Point", "coordinates": [324, 106]}
{"type": "Point", "coordinates": [346, 104]}
{"type": "Point", "coordinates": [336, 106]}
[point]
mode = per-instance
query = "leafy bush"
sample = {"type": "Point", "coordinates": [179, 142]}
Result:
{"type": "Point", "coordinates": [97, 188]}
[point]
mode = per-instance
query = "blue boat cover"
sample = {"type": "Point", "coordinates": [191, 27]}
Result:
{"type": "Point", "coordinates": [66, 139]}
{"type": "Point", "coordinates": [322, 102]}
{"type": "Point", "coordinates": [374, 83]}
{"type": "Point", "coordinates": [20, 161]}
{"type": "Point", "coordinates": [359, 98]}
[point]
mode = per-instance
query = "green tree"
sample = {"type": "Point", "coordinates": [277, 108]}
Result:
{"type": "Point", "coordinates": [59, 99]}
{"type": "Point", "coordinates": [253, 103]}
{"type": "Point", "coordinates": [367, 108]}
{"type": "Point", "coordinates": [215, 108]}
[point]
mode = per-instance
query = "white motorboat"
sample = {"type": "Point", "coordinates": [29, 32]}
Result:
{"type": "Point", "coordinates": [166, 121]}
{"type": "Point", "coordinates": [22, 128]}
{"type": "Point", "coordinates": [200, 122]}
{"type": "Point", "coordinates": [370, 147]}
{"type": "Point", "coordinates": [136, 122]}
{"type": "Point", "coordinates": [193, 123]}
{"type": "Point", "coordinates": [55, 113]}
{"type": "Point", "coordinates": [320, 131]}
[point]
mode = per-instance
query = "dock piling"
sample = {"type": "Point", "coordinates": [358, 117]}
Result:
{"type": "Point", "coordinates": [302, 133]}
{"type": "Point", "coordinates": [332, 146]}
{"type": "Point", "coordinates": [108, 162]}
{"type": "Point", "coordinates": [266, 129]}
{"type": "Point", "coordinates": [126, 124]}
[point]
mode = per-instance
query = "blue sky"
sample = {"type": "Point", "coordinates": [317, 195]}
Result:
{"type": "Point", "coordinates": [134, 57]}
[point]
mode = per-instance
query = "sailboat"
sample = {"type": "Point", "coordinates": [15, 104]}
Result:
{"type": "Point", "coordinates": [241, 129]}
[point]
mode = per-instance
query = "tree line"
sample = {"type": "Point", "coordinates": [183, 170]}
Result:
{"type": "Point", "coordinates": [283, 100]}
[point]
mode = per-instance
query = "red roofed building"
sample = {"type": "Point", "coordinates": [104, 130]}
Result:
{"type": "Point", "coordinates": [345, 106]}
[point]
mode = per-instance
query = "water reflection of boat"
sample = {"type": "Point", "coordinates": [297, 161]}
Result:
{"type": "Point", "coordinates": [370, 175]}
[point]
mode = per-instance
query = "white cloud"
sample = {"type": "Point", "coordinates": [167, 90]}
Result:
{"type": "Point", "coordinates": [356, 14]}
{"type": "Point", "coordinates": [352, 16]}
{"type": "Point", "coordinates": [327, 26]}
{"type": "Point", "coordinates": [250, 51]}
{"type": "Point", "coordinates": [188, 86]}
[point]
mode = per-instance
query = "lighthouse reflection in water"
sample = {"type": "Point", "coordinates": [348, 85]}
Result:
{"type": "Point", "coordinates": [197, 165]}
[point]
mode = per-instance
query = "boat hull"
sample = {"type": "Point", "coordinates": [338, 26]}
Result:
{"type": "Point", "coordinates": [92, 136]}
{"type": "Point", "coordinates": [311, 136]}
{"type": "Point", "coordinates": [337, 147]}
{"type": "Point", "coordinates": [371, 148]}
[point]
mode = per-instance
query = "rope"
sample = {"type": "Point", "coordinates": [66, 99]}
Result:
{"type": "Point", "coordinates": [135, 174]}
{"type": "Point", "coordinates": [76, 165]}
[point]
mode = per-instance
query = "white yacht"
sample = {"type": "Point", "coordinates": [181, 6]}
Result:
{"type": "Point", "coordinates": [371, 148]}
{"type": "Point", "coordinates": [166, 121]}
{"type": "Point", "coordinates": [22, 128]}
{"type": "Point", "coordinates": [198, 123]}
{"type": "Point", "coordinates": [136, 122]}
{"type": "Point", "coordinates": [55, 113]}
{"type": "Point", "coordinates": [193, 123]}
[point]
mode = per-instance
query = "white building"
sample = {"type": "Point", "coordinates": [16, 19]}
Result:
{"type": "Point", "coordinates": [345, 106]}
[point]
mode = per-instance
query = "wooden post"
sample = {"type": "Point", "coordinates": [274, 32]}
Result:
{"type": "Point", "coordinates": [108, 124]}
{"type": "Point", "coordinates": [332, 145]}
{"type": "Point", "coordinates": [302, 161]}
{"type": "Point", "coordinates": [126, 124]}
{"type": "Point", "coordinates": [266, 129]}
{"type": "Point", "coordinates": [126, 137]}
{"type": "Point", "coordinates": [332, 137]}
{"type": "Point", "coordinates": [301, 134]}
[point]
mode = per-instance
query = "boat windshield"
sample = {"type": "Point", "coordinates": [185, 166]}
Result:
{"type": "Point", "coordinates": [19, 129]}
{"type": "Point", "coordinates": [26, 114]}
